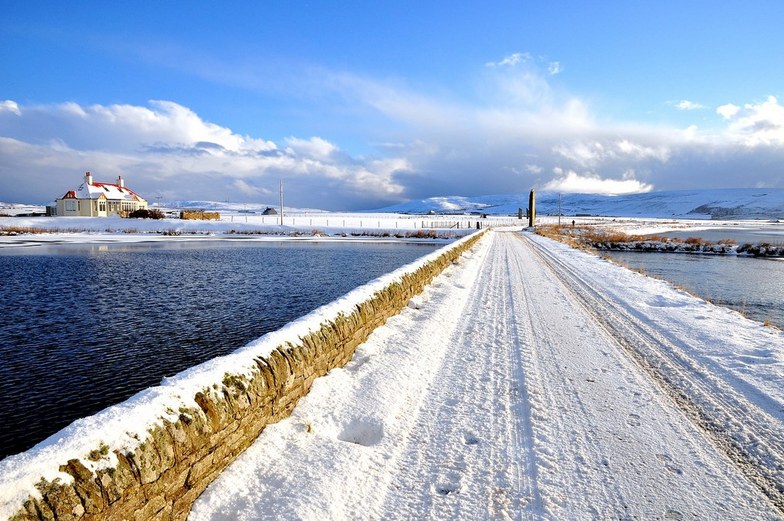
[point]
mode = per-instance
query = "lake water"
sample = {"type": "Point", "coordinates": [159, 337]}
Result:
{"type": "Point", "coordinates": [83, 327]}
{"type": "Point", "coordinates": [741, 233]}
{"type": "Point", "coordinates": [754, 286]}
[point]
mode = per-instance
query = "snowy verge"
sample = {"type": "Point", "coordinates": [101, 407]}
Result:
{"type": "Point", "coordinates": [14, 229]}
{"type": "Point", "coordinates": [112, 438]}
{"type": "Point", "coordinates": [497, 395]}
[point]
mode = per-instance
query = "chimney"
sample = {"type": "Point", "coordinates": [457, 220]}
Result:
{"type": "Point", "coordinates": [88, 178]}
{"type": "Point", "coordinates": [120, 181]}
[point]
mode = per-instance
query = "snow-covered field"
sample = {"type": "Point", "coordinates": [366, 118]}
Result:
{"type": "Point", "coordinates": [325, 224]}
{"type": "Point", "coordinates": [239, 227]}
{"type": "Point", "coordinates": [532, 381]}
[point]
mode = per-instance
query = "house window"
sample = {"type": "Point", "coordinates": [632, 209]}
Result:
{"type": "Point", "coordinates": [70, 206]}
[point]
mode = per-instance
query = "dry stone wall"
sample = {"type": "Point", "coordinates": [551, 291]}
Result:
{"type": "Point", "coordinates": [162, 477]}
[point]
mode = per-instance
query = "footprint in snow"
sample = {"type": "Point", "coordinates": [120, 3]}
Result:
{"type": "Point", "coordinates": [362, 431]}
{"type": "Point", "coordinates": [446, 488]}
{"type": "Point", "coordinates": [634, 420]}
{"type": "Point", "coordinates": [669, 464]}
{"type": "Point", "coordinates": [470, 439]}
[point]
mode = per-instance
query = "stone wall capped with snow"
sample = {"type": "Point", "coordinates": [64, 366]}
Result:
{"type": "Point", "coordinates": [200, 421]}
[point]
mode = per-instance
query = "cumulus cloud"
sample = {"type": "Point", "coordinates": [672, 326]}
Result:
{"type": "Point", "coordinates": [166, 149]}
{"type": "Point", "coordinates": [758, 124]}
{"type": "Point", "coordinates": [572, 182]}
{"type": "Point", "coordinates": [554, 68]}
{"type": "Point", "coordinates": [314, 147]}
{"type": "Point", "coordinates": [727, 111]}
{"type": "Point", "coordinates": [514, 132]}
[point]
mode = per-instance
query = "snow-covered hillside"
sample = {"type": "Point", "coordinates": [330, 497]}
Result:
{"type": "Point", "coordinates": [227, 206]}
{"type": "Point", "coordinates": [726, 204]}
{"type": "Point", "coordinates": [745, 203]}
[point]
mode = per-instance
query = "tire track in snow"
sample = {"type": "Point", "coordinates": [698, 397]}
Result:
{"type": "Point", "coordinates": [746, 434]}
{"type": "Point", "coordinates": [555, 401]}
{"type": "Point", "coordinates": [469, 457]}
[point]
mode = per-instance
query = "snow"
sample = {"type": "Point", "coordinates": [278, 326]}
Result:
{"type": "Point", "coordinates": [122, 426]}
{"type": "Point", "coordinates": [748, 203]}
{"type": "Point", "coordinates": [231, 226]}
{"type": "Point", "coordinates": [529, 380]}
{"type": "Point", "coordinates": [501, 393]}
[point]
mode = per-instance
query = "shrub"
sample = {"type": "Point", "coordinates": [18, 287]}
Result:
{"type": "Point", "coordinates": [143, 213]}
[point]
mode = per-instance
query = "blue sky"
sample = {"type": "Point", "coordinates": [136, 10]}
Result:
{"type": "Point", "coordinates": [362, 104]}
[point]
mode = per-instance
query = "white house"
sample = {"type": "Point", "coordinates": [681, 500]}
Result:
{"type": "Point", "coordinates": [94, 199]}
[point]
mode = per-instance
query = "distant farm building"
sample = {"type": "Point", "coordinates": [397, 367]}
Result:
{"type": "Point", "coordinates": [93, 199]}
{"type": "Point", "coordinates": [270, 211]}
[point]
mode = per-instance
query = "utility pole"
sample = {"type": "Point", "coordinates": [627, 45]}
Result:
{"type": "Point", "coordinates": [281, 202]}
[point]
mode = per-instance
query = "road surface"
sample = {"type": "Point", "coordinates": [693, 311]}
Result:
{"type": "Point", "coordinates": [531, 381]}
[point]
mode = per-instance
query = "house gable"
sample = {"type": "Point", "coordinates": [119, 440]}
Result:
{"type": "Point", "coordinates": [99, 199]}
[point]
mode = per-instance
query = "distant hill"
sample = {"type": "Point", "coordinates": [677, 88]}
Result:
{"type": "Point", "coordinates": [744, 203]}
{"type": "Point", "coordinates": [728, 204]}
{"type": "Point", "coordinates": [230, 207]}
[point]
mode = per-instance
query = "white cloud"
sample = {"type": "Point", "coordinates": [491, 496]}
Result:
{"type": "Point", "coordinates": [425, 144]}
{"type": "Point", "coordinates": [573, 182]}
{"type": "Point", "coordinates": [760, 124]}
{"type": "Point", "coordinates": [688, 105]}
{"type": "Point", "coordinates": [591, 154]}
{"type": "Point", "coordinates": [690, 133]}
{"type": "Point", "coordinates": [10, 106]}
{"type": "Point", "coordinates": [639, 151]}
{"type": "Point", "coordinates": [511, 60]}
{"type": "Point", "coordinates": [166, 148]}
{"type": "Point", "coordinates": [728, 111]}
{"type": "Point", "coordinates": [313, 147]}
{"type": "Point", "coordinates": [554, 68]}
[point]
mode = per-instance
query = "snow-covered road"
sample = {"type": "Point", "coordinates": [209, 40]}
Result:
{"type": "Point", "coordinates": [531, 381]}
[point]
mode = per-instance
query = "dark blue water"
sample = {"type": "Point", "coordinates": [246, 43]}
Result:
{"type": "Point", "coordinates": [84, 327]}
{"type": "Point", "coordinates": [753, 286]}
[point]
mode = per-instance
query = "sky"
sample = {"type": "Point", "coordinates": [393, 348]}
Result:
{"type": "Point", "coordinates": [357, 105]}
